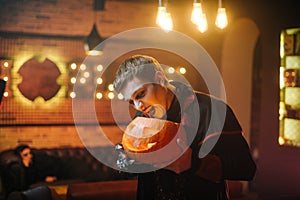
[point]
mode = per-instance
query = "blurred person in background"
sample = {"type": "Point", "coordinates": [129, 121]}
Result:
{"type": "Point", "coordinates": [38, 167]}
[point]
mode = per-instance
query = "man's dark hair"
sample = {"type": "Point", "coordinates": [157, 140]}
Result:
{"type": "Point", "coordinates": [20, 148]}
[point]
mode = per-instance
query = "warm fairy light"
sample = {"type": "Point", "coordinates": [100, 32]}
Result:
{"type": "Point", "coordinates": [5, 94]}
{"type": "Point", "coordinates": [73, 66]}
{"type": "Point", "coordinates": [5, 64]}
{"type": "Point", "coordinates": [72, 95]}
{"type": "Point", "coordinates": [111, 95]}
{"type": "Point", "coordinates": [182, 70]}
{"type": "Point", "coordinates": [171, 70]}
{"type": "Point", "coordinates": [83, 67]}
{"type": "Point", "coordinates": [99, 81]}
{"type": "Point", "coordinates": [5, 78]}
{"type": "Point", "coordinates": [99, 95]}
{"type": "Point", "coordinates": [120, 96]}
{"type": "Point", "coordinates": [86, 74]}
{"type": "Point", "coordinates": [110, 87]}
{"type": "Point", "coordinates": [99, 68]}
{"type": "Point", "coordinates": [73, 80]}
{"type": "Point", "coordinates": [83, 80]}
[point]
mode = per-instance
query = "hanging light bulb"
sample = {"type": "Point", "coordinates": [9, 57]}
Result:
{"type": "Point", "coordinates": [92, 41]}
{"type": "Point", "coordinates": [198, 17]}
{"type": "Point", "coordinates": [221, 20]}
{"type": "Point", "coordinates": [168, 23]}
{"type": "Point", "coordinates": [161, 15]}
{"type": "Point", "coordinates": [164, 18]}
{"type": "Point", "coordinates": [94, 38]}
{"type": "Point", "coordinates": [202, 26]}
{"type": "Point", "coordinates": [196, 13]}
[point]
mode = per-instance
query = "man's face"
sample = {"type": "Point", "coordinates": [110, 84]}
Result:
{"type": "Point", "coordinates": [26, 156]}
{"type": "Point", "coordinates": [143, 95]}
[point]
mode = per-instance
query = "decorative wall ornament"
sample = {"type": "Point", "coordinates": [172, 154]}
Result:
{"type": "Point", "coordinates": [39, 79]}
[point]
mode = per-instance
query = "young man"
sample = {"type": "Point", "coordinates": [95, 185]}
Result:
{"type": "Point", "coordinates": [38, 168]}
{"type": "Point", "coordinates": [215, 149]}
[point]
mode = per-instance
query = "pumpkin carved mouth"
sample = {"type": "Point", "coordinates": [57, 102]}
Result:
{"type": "Point", "coordinates": [148, 134]}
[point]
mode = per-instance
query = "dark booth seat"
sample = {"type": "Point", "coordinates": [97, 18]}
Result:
{"type": "Point", "coordinates": [84, 176]}
{"type": "Point", "coordinates": [77, 165]}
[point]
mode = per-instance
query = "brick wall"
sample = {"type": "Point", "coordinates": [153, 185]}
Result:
{"type": "Point", "coordinates": [76, 17]}
{"type": "Point", "coordinates": [49, 124]}
{"type": "Point", "coordinates": [59, 136]}
{"type": "Point", "coordinates": [55, 29]}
